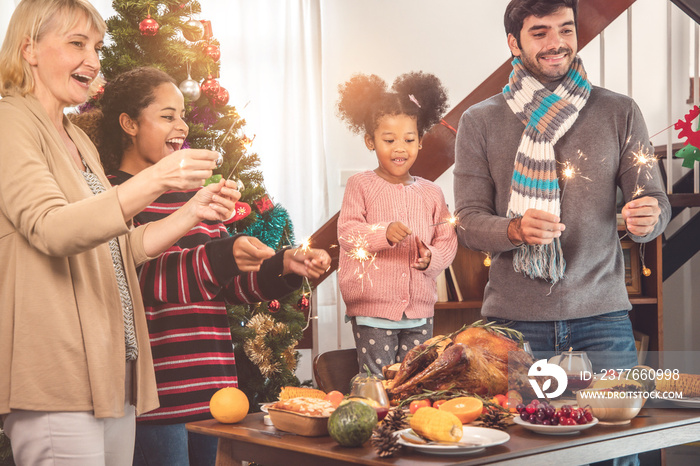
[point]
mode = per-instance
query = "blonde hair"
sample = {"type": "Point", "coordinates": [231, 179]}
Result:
{"type": "Point", "coordinates": [32, 19]}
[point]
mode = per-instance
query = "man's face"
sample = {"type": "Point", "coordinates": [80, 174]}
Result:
{"type": "Point", "coordinates": [548, 45]}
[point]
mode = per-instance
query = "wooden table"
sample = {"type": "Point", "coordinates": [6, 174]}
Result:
{"type": "Point", "coordinates": [654, 428]}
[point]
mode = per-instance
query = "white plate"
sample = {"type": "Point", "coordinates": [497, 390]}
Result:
{"type": "Point", "coordinates": [264, 406]}
{"type": "Point", "coordinates": [555, 430]}
{"type": "Point", "coordinates": [482, 436]}
{"type": "Point", "coordinates": [693, 402]}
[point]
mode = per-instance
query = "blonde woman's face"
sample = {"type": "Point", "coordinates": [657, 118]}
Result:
{"type": "Point", "coordinates": [64, 63]}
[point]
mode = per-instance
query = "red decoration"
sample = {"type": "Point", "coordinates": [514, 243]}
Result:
{"type": "Point", "coordinates": [303, 304]}
{"type": "Point", "coordinates": [273, 306]}
{"type": "Point", "coordinates": [210, 87]}
{"type": "Point", "coordinates": [207, 29]}
{"type": "Point", "coordinates": [213, 51]}
{"type": "Point", "coordinates": [221, 97]}
{"type": "Point", "coordinates": [692, 137]}
{"type": "Point", "coordinates": [264, 204]}
{"type": "Point", "coordinates": [242, 210]}
{"type": "Point", "coordinates": [98, 92]}
{"type": "Point", "coordinates": [149, 26]}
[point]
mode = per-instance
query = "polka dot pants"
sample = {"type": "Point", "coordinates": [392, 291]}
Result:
{"type": "Point", "coordinates": [378, 347]}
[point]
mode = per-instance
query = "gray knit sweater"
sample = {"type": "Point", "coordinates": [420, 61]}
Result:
{"type": "Point", "coordinates": [600, 145]}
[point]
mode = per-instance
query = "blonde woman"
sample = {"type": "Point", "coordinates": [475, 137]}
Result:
{"type": "Point", "coordinates": [75, 361]}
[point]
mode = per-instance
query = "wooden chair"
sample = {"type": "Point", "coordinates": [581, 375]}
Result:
{"type": "Point", "coordinates": [333, 370]}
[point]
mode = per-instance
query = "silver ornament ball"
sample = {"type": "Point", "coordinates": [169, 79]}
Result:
{"type": "Point", "coordinates": [190, 89]}
{"type": "Point", "coordinates": [193, 31]}
{"type": "Point", "coordinates": [240, 184]}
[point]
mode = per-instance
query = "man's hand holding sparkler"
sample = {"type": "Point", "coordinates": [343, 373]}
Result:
{"type": "Point", "coordinates": [249, 253]}
{"type": "Point", "coordinates": [306, 262]}
{"type": "Point", "coordinates": [396, 232]}
{"type": "Point", "coordinates": [641, 215]}
{"type": "Point", "coordinates": [424, 255]}
{"type": "Point", "coordinates": [535, 227]}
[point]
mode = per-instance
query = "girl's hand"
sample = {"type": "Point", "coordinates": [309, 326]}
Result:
{"type": "Point", "coordinates": [249, 253]}
{"type": "Point", "coordinates": [311, 263]}
{"type": "Point", "coordinates": [185, 169]}
{"type": "Point", "coordinates": [424, 255]}
{"type": "Point", "coordinates": [216, 201]}
{"type": "Point", "coordinates": [396, 232]}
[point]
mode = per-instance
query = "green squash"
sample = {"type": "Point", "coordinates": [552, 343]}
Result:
{"type": "Point", "coordinates": [351, 424]}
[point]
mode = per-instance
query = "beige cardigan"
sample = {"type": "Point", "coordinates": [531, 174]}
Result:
{"type": "Point", "coordinates": [61, 326]}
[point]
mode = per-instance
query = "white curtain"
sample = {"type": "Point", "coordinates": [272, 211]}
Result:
{"type": "Point", "coordinates": [270, 57]}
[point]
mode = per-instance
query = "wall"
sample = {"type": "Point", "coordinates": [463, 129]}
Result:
{"type": "Point", "coordinates": [463, 42]}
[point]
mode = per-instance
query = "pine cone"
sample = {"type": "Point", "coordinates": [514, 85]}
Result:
{"type": "Point", "coordinates": [494, 418]}
{"type": "Point", "coordinates": [396, 420]}
{"type": "Point", "coordinates": [384, 441]}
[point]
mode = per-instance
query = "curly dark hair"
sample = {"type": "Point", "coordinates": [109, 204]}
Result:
{"type": "Point", "coordinates": [129, 93]}
{"type": "Point", "coordinates": [518, 10]}
{"type": "Point", "coordinates": [364, 99]}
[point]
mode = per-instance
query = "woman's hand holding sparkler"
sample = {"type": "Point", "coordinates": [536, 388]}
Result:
{"type": "Point", "coordinates": [535, 227]}
{"type": "Point", "coordinates": [396, 232]}
{"type": "Point", "coordinates": [424, 255]}
{"type": "Point", "coordinates": [641, 215]}
{"type": "Point", "coordinates": [216, 201]}
{"type": "Point", "coordinates": [306, 262]}
{"type": "Point", "coordinates": [249, 253]}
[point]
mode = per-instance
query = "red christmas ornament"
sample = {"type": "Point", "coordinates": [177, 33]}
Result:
{"type": "Point", "coordinates": [149, 26]}
{"type": "Point", "coordinates": [210, 87]}
{"type": "Point", "coordinates": [692, 137]}
{"type": "Point", "coordinates": [213, 51]}
{"type": "Point", "coordinates": [221, 97]}
{"type": "Point", "coordinates": [273, 306]}
{"type": "Point", "coordinates": [208, 34]}
{"type": "Point", "coordinates": [264, 204]}
{"type": "Point", "coordinates": [303, 304]}
{"type": "Point", "coordinates": [241, 211]}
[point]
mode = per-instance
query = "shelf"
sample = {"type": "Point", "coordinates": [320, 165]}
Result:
{"type": "Point", "coordinates": [643, 300]}
{"type": "Point", "coordinates": [467, 304]}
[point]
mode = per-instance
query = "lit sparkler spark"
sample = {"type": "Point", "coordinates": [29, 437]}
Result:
{"type": "Point", "coordinates": [454, 221]}
{"type": "Point", "coordinates": [360, 253]}
{"type": "Point", "coordinates": [571, 171]}
{"type": "Point", "coordinates": [642, 159]}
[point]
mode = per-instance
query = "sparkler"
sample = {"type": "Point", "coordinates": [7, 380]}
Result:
{"type": "Point", "coordinates": [571, 171]}
{"type": "Point", "coordinates": [360, 253]}
{"type": "Point", "coordinates": [454, 221]}
{"type": "Point", "coordinates": [642, 158]}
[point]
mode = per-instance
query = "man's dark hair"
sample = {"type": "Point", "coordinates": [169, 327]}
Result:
{"type": "Point", "coordinates": [518, 10]}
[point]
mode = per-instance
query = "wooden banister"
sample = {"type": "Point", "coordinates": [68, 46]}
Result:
{"type": "Point", "coordinates": [437, 154]}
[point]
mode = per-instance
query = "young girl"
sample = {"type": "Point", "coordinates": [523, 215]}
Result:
{"type": "Point", "coordinates": [186, 290]}
{"type": "Point", "coordinates": [394, 216]}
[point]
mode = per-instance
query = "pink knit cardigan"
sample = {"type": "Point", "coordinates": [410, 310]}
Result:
{"type": "Point", "coordinates": [386, 286]}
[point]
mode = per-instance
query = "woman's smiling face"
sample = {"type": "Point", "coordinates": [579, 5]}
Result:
{"type": "Point", "coordinates": [160, 129]}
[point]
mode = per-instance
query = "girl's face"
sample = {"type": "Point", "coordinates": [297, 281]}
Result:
{"type": "Point", "coordinates": [158, 131]}
{"type": "Point", "coordinates": [64, 63]}
{"type": "Point", "coordinates": [396, 142]}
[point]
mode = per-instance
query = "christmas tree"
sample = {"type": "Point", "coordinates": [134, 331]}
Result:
{"type": "Point", "coordinates": [167, 35]}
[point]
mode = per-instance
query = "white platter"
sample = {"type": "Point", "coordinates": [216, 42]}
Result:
{"type": "Point", "coordinates": [482, 436]}
{"type": "Point", "coordinates": [555, 430]}
{"type": "Point", "coordinates": [693, 402]}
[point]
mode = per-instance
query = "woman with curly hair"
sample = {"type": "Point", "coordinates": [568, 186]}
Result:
{"type": "Point", "coordinates": [398, 218]}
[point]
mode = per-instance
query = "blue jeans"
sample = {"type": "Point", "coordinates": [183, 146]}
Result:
{"type": "Point", "coordinates": [607, 339]}
{"type": "Point", "coordinates": [172, 445]}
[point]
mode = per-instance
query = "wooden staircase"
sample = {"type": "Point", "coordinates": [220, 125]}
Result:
{"type": "Point", "coordinates": [437, 154]}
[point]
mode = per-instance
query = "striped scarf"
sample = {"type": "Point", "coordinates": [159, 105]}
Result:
{"type": "Point", "coordinates": [547, 116]}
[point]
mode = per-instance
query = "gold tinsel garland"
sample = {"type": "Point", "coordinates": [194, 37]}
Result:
{"type": "Point", "coordinates": [260, 354]}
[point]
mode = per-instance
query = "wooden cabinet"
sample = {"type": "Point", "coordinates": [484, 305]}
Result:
{"type": "Point", "coordinates": [472, 274]}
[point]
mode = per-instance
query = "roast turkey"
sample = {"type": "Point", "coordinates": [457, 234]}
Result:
{"type": "Point", "coordinates": [477, 361]}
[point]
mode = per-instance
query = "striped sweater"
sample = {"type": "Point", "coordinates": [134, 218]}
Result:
{"type": "Point", "coordinates": [185, 292]}
{"type": "Point", "coordinates": [386, 286]}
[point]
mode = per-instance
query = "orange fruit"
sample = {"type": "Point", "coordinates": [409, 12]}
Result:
{"type": "Point", "coordinates": [335, 397]}
{"type": "Point", "coordinates": [229, 405]}
{"type": "Point", "coordinates": [466, 408]}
